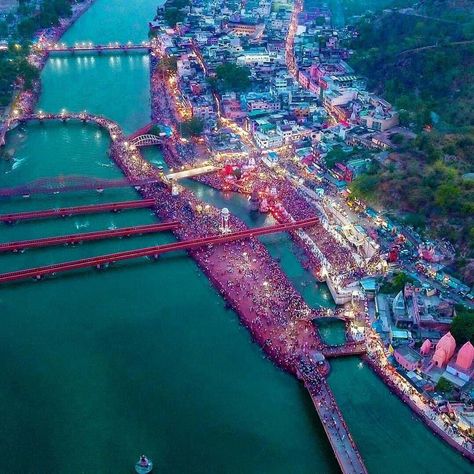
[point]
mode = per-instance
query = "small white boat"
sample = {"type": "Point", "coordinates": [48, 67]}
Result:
{"type": "Point", "coordinates": [144, 465]}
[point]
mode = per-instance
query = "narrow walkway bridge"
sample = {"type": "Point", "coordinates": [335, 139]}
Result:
{"type": "Point", "coordinates": [97, 48]}
{"type": "Point", "coordinates": [64, 184]}
{"type": "Point", "coordinates": [147, 139]}
{"type": "Point", "coordinates": [154, 252]}
{"type": "Point", "coordinates": [76, 210]}
{"type": "Point", "coordinates": [193, 172]}
{"type": "Point", "coordinates": [346, 452]}
{"type": "Point", "coordinates": [65, 116]}
{"type": "Point", "coordinates": [112, 127]}
{"type": "Point", "coordinates": [348, 349]}
{"type": "Point", "coordinates": [86, 237]}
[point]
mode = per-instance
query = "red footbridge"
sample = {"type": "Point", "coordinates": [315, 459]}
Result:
{"type": "Point", "coordinates": [76, 210]}
{"type": "Point", "coordinates": [71, 184]}
{"type": "Point", "coordinates": [155, 252]}
{"type": "Point", "coordinates": [86, 237]}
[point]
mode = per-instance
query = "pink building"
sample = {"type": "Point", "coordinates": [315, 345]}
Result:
{"type": "Point", "coordinates": [408, 358]}
{"type": "Point", "coordinates": [463, 368]}
{"type": "Point", "coordinates": [444, 350]}
{"type": "Point", "coordinates": [465, 356]}
{"type": "Point", "coordinates": [425, 347]}
{"type": "Point", "coordinates": [232, 110]}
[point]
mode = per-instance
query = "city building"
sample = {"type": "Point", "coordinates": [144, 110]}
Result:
{"type": "Point", "coordinates": [407, 357]}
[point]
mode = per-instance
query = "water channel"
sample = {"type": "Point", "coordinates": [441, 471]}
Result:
{"type": "Point", "coordinates": [98, 367]}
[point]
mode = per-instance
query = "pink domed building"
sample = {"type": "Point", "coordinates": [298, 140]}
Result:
{"type": "Point", "coordinates": [465, 356]}
{"type": "Point", "coordinates": [444, 350]}
{"type": "Point", "coordinates": [464, 365]}
{"type": "Point", "coordinates": [425, 347]}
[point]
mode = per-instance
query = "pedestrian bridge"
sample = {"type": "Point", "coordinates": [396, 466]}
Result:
{"type": "Point", "coordinates": [97, 48]}
{"type": "Point", "coordinates": [147, 139]}
{"type": "Point", "coordinates": [347, 349]}
{"type": "Point", "coordinates": [112, 127]}
{"type": "Point", "coordinates": [347, 454]}
{"type": "Point", "coordinates": [193, 172]}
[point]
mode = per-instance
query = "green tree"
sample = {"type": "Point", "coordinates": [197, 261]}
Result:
{"type": "Point", "coordinates": [444, 385]}
{"type": "Point", "coordinates": [231, 77]}
{"type": "Point", "coordinates": [447, 195]}
{"type": "Point", "coordinates": [462, 327]}
{"type": "Point", "coordinates": [365, 186]}
{"type": "Point", "coordinates": [155, 130]}
{"type": "Point", "coordinates": [169, 64]}
{"type": "Point", "coordinates": [396, 284]}
{"type": "Point", "coordinates": [173, 16]}
{"type": "Point", "coordinates": [27, 27]}
{"type": "Point", "coordinates": [192, 127]}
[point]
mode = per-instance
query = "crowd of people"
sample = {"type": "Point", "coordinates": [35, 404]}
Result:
{"type": "Point", "coordinates": [251, 281]}
{"type": "Point", "coordinates": [288, 201]}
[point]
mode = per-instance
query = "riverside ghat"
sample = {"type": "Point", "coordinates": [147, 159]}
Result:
{"type": "Point", "coordinates": [254, 285]}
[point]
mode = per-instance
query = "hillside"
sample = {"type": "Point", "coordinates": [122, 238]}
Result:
{"type": "Point", "coordinates": [422, 60]}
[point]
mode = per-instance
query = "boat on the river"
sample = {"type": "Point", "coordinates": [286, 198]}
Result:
{"type": "Point", "coordinates": [143, 465]}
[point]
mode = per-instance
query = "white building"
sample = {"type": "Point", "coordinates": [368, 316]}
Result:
{"type": "Point", "coordinates": [268, 140]}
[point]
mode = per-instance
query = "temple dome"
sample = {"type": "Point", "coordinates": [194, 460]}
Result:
{"type": "Point", "coordinates": [425, 347]}
{"type": "Point", "coordinates": [465, 356]}
{"type": "Point", "coordinates": [444, 350]}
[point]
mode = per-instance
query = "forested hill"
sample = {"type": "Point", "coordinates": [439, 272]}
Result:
{"type": "Point", "coordinates": [421, 59]}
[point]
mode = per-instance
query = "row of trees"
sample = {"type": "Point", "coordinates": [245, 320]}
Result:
{"type": "Point", "coordinates": [20, 28]}
{"type": "Point", "coordinates": [49, 13]}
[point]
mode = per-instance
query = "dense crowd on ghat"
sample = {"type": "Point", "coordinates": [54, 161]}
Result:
{"type": "Point", "coordinates": [244, 272]}
{"type": "Point", "coordinates": [339, 256]}
{"type": "Point", "coordinates": [293, 205]}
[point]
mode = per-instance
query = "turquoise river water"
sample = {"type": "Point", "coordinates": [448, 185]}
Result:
{"type": "Point", "coordinates": [98, 367]}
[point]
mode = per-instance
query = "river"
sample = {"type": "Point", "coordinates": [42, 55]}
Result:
{"type": "Point", "coordinates": [99, 367]}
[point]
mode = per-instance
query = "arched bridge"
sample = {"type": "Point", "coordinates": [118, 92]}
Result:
{"type": "Point", "coordinates": [147, 139]}
{"type": "Point", "coordinates": [112, 127]}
